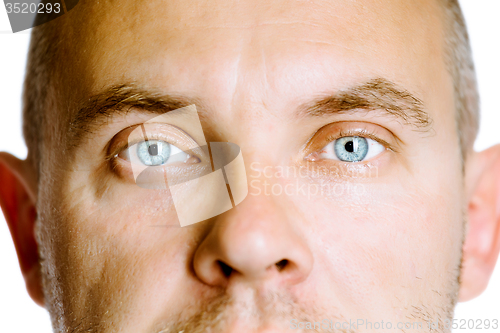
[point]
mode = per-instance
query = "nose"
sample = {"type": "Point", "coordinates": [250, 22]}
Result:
{"type": "Point", "coordinates": [258, 240]}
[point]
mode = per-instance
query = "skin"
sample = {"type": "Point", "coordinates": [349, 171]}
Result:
{"type": "Point", "coordinates": [391, 251]}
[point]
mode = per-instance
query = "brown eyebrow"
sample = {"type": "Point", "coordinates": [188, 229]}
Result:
{"type": "Point", "coordinates": [377, 94]}
{"type": "Point", "coordinates": [120, 99]}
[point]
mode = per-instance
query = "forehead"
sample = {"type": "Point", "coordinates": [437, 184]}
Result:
{"type": "Point", "coordinates": [212, 49]}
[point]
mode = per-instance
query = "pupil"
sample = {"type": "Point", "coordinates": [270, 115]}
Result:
{"type": "Point", "coordinates": [153, 150]}
{"type": "Point", "coordinates": [349, 146]}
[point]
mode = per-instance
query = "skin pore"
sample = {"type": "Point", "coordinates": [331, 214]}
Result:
{"type": "Point", "coordinates": [386, 244]}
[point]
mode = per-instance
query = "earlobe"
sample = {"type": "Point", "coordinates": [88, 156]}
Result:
{"type": "Point", "coordinates": [18, 201]}
{"type": "Point", "coordinates": [482, 243]}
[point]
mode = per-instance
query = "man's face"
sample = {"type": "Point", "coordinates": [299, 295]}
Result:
{"type": "Point", "coordinates": [376, 238]}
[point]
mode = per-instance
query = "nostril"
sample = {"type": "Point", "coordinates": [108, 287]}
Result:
{"type": "Point", "coordinates": [281, 264]}
{"type": "Point", "coordinates": [226, 270]}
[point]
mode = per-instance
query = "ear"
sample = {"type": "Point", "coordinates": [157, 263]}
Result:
{"type": "Point", "coordinates": [482, 243]}
{"type": "Point", "coordinates": [18, 201]}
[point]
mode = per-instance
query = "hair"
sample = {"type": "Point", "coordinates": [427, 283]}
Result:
{"type": "Point", "coordinates": [460, 64]}
{"type": "Point", "coordinates": [37, 83]}
{"type": "Point", "coordinates": [41, 69]}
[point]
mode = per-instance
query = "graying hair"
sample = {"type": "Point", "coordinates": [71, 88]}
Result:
{"type": "Point", "coordinates": [460, 64]}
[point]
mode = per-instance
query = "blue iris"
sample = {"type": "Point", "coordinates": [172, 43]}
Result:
{"type": "Point", "coordinates": [351, 148]}
{"type": "Point", "coordinates": [153, 152]}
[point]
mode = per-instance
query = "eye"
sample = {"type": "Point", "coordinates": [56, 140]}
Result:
{"type": "Point", "coordinates": [351, 149]}
{"type": "Point", "coordinates": [154, 153]}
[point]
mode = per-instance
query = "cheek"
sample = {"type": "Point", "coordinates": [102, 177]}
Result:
{"type": "Point", "coordinates": [120, 224]}
{"type": "Point", "coordinates": [389, 240]}
{"type": "Point", "coordinates": [104, 248]}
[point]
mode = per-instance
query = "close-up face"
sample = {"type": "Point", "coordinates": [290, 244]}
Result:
{"type": "Point", "coordinates": [345, 113]}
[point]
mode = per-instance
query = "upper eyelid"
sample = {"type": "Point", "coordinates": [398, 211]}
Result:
{"type": "Point", "coordinates": [332, 131]}
{"type": "Point", "coordinates": [152, 138]}
{"type": "Point", "coordinates": [361, 133]}
{"type": "Point", "coordinates": [113, 148]}
{"type": "Point", "coordinates": [181, 131]}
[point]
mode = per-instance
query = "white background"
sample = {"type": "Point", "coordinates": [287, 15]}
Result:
{"type": "Point", "coordinates": [19, 314]}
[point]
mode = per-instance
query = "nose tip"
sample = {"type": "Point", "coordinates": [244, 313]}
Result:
{"type": "Point", "coordinates": [252, 245]}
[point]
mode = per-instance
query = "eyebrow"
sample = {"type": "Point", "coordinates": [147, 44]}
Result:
{"type": "Point", "coordinates": [122, 99]}
{"type": "Point", "coordinates": [375, 95]}
{"type": "Point", "coordinates": [378, 94]}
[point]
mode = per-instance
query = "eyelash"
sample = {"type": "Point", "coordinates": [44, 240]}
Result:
{"type": "Point", "coordinates": [365, 133]}
{"type": "Point", "coordinates": [112, 156]}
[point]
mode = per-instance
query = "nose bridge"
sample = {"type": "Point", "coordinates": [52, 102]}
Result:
{"type": "Point", "coordinates": [261, 215]}
{"type": "Point", "coordinates": [257, 213]}
{"type": "Point", "coordinates": [259, 239]}
{"type": "Point", "coordinates": [259, 205]}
